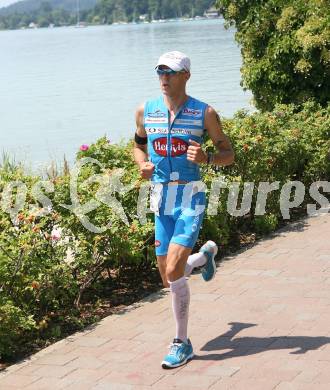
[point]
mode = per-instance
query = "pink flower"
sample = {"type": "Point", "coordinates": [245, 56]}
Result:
{"type": "Point", "coordinates": [55, 237]}
{"type": "Point", "coordinates": [56, 234]}
{"type": "Point", "coordinates": [84, 147]}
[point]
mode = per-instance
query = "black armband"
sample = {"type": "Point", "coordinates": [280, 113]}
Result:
{"type": "Point", "coordinates": [140, 140]}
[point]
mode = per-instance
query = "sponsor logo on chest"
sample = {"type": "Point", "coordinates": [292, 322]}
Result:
{"type": "Point", "coordinates": [156, 130]}
{"type": "Point", "coordinates": [174, 130]}
{"type": "Point", "coordinates": [178, 146]}
{"type": "Point", "coordinates": [155, 120]}
{"type": "Point", "coordinates": [192, 112]}
{"type": "Point", "coordinates": [157, 114]}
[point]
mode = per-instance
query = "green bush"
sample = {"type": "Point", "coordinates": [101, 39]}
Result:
{"type": "Point", "coordinates": [282, 145]}
{"type": "Point", "coordinates": [264, 224]}
{"type": "Point", "coordinates": [15, 325]}
{"type": "Point", "coordinates": [44, 273]}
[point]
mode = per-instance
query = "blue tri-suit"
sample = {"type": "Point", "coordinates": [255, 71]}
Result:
{"type": "Point", "coordinates": [179, 208]}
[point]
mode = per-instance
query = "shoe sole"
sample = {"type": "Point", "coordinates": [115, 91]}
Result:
{"type": "Point", "coordinates": [214, 268]}
{"type": "Point", "coordinates": [166, 365]}
{"type": "Point", "coordinates": [213, 265]}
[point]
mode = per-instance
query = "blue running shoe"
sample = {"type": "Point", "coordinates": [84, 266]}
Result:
{"type": "Point", "coordinates": [210, 250]}
{"type": "Point", "coordinates": [180, 353]}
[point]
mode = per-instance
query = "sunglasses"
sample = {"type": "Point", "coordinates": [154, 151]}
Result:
{"type": "Point", "coordinates": [169, 72]}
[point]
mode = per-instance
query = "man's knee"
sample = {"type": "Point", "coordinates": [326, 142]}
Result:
{"type": "Point", "coordinates": [176, 261]}
{"type": "Point", "coordinates": [171, 271]}
{"type": "Point", "coordinates": [174, 269]}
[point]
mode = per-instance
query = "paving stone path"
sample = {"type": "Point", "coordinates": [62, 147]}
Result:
{"type": "Point", "coordinates": [262, 323]}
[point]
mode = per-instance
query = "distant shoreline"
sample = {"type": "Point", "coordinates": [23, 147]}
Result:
{"type": "Point", "coordinates": [85, 24]}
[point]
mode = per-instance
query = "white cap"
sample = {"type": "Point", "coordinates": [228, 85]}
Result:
{"type": "Point", "coordinates": [175, 60]}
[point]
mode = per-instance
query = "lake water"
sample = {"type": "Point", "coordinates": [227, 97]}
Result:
{"type": "Point", "coordinates": [62, 87]}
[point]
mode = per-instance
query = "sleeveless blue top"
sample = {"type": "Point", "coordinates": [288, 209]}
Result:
{"type": "Point", "coordinates": [168, 143]}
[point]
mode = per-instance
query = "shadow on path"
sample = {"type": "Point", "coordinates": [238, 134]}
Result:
{"type": "Point", "coordinates": [244, 346]}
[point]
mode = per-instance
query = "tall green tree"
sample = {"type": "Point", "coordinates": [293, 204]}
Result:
{"type": "Point", "coordinates": [285, 48]}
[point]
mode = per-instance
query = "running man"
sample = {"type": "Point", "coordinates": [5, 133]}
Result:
{"type": "Point", "coordinates": [167, 150]}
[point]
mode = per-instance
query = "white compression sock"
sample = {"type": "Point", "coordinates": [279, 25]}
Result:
{"type": "Point", "coordinates": [180, 305]}
{"type": "Point", "coordinates": [196, 260]}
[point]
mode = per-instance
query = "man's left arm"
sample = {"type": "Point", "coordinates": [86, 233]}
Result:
{"type": "Point", "coordinates": [225, 153]}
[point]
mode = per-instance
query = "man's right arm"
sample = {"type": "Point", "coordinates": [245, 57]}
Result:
{"type": "Point", "coordinates": [140, 150]}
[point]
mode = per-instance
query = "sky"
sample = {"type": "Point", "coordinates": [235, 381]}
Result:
{"type": "Point", "coordinates": [4, 3]}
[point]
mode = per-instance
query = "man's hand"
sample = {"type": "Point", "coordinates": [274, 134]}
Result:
{"type": "Point", "coordinates": [195, 153]}
{"type": "Point", "coordinates": [146, 169]}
